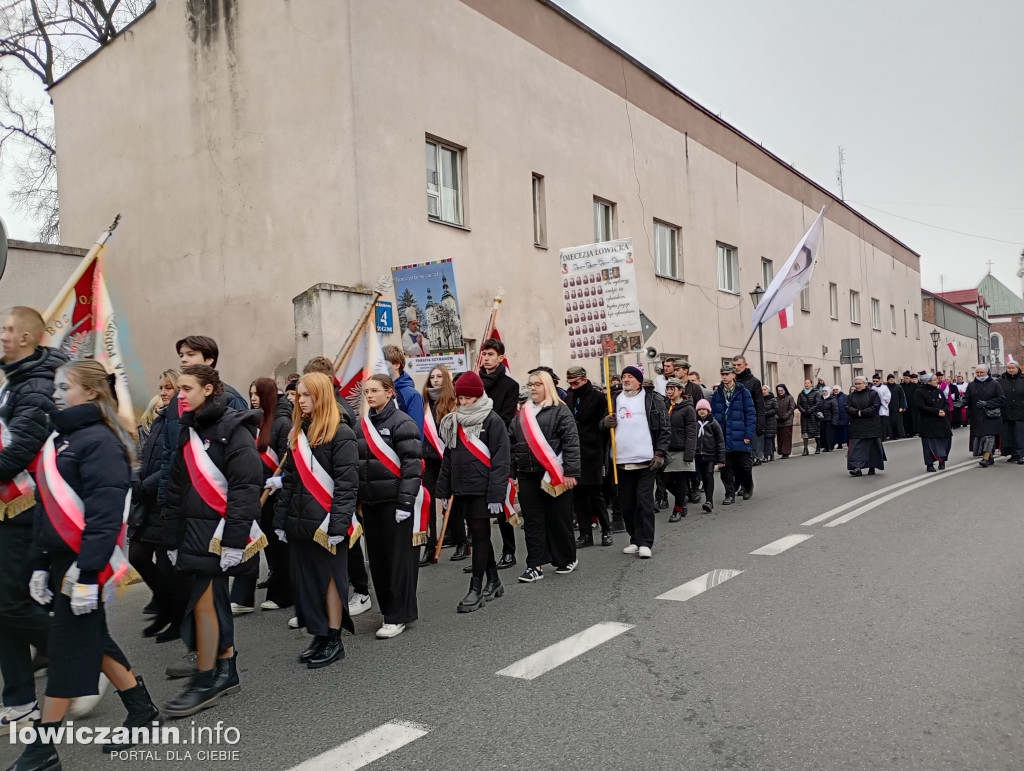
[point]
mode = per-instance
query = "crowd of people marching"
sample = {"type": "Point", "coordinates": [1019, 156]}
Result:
{"type": "Point", "coordinates": [210, 479]}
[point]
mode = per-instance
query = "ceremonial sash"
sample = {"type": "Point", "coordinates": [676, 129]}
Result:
{"type": "Point", "coordinates": [212, 486]}
{"type": "Point", "coordinates": [554, 478]}
{"type": "Point", "coordinates": [430, 429]}
{"type": "Point", "coordinates": [380, 449]}
{"type": "Point", "coordinates": [321, 486]}
{"type": "Point", "coordinates": [66, 513]}
{"type": "Point", "coordinates": [269, 457]}
{"type": "Point", "coordinates": [479, 449]}
{"type": "Point", "coordinates": [18, 494]}
{"type": "Point", "coordinates": [422, 510]}
{"type": "Point", "coordinates": [509, 503]}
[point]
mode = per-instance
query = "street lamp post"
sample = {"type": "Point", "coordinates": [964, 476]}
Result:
{"type": "Point", "coordinates": [935, 335]}
{"type": "Point", "coordinates": [755, 297]}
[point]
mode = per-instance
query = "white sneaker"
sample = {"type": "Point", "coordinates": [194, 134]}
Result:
{"type": "Point", "coordinates": [269, 605]}
{"type": "Point", "coordinates": [360, 603]}
{"type": "Point", "coordinates": [644, 552]}
{"type": "Point", "coordinates": [631, 549]}
{"type": "Point", "coordinates": [24, 713]}
{"type": "Point", "coordinates": [241, 610]}
{"type": "Point", "coordinates": [388, 631]}
{"type": "Point", "coordinates": [293, 622]}
{"type": "Point", "coordinates": [83, 705]}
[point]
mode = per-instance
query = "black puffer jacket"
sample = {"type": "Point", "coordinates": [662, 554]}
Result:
{"type": "Point", "coordinates": [867, 424]}
{"type": "Point", "coordinates": [682, 419]}
{"type": "Point", "coordinates": [146, 483]}
{"type": "Point", "coordinates": [26, 405]}
{"type": "Point", "coordinates": [559, 428]}
{"type": "Point", "coordinates": [377, 484]}
{"type": "Point", "coordinates": [747, 380]}
{"type": "Point", "coordinates": [297, 512]}
{"type": "Point", "coordinates": [94, 463]}
{"type": "Point", "coordinates": [1013, 391]}
{"type": "Point", "coordinates": [771, 415]}
{"type": "Point", "coordinates": [463, 474]}
{"type": "Point", "coordinates": [589, 406]}
{"type": "Point", "coordinates": [809, 405]}
{"type": "Point", "coordinates": [503, 390]}
{"type": "Point", "coordinates": [280, 429]}
{"type": "Point", "coordinates": [710, 441]}
{"type": "Point", "coordinates": [189, 524]}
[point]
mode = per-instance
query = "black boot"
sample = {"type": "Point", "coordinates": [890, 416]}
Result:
{"type": "Point", "coordinates": [585, 540]}
{"type": "Point", "coordinates": [311, 651]}
{"type": "Point", "coordinates": [428, 556]}
{"type": "Point", "coordinates": [142, 713]}
{"type": "Point", "coordinates": [39, 755]}
{"type": "Point", "coordinates": [474, 600]}
{"type": "Point", "coordinates": [200, 694]}
{"type": "Point", "coordinates": [226, 679]}
{"type": "Point", "coordinates": [164, 616]}
{"type": "Point", "coordinates": [462, 551]}
{"type": "Point", "coordinates": [676, 515]}
{"type": "Point", "coordinates": [329, 652]}
{"type": "Point", "coordinates": [494, 589]}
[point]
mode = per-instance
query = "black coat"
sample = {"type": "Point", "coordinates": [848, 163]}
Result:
{"type": "Point", "coordinates": [1013, 391]}
{"type": "Point", "coordinates": [712, 444]}
{"type": "Point", "coordinates": [809, 405]}
{"type": "Point", "coordinates": [559, 428]}
{"type": "Point", "coordinates": [503, 390]}
{"type": "Point", "coordinates": [928, 401]}
{"type": "Point", "coordinates": [991, 393]}
{"type": "Point", "coordinates": [297, 512]}
{"type": "Point", "coordinates": [752, 384]}
{"type": "Point", "coordinates": [830, 409]}
{"type": "Point", "coordinates": [589, 407]}
{"type": "Point", "coordinates": [146, 483]}
{"type": "Point", "coordinates": [189, 524]}
{"type": "Point", "coordinates": [280, 429]}
{"type": "Point", "coordinates": [26, 407]}
{"type": "Point", "coordinates": [462, 474]}
{"type": "Point", "coordinates": [899, 399]}
{"type": "Point", "coordinates": [682, 420]}
{"type": "Point", "coordinates": [868, 424]}
{"type": "Point", "coordinates": [94, 463]}
{"type": "Point", "coordinates": [771, 415]}
{"type": "Point", "coordinates": [377, 485]}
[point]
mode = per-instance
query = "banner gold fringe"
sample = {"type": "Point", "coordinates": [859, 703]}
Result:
{"type": "Point", "coordinates": [356, 532]}
{"type": "Point", "coordinates": [18, 506]}
{"type": "Point", "coordinates": [321, 538]}
{"type": "Point", "coordinates": [419, 539]}
{"type": "Point", "coordinates": [254, 548]}
{"type": "Point", "coordinates": [214, 547]}
{"type": "Point", "coordinates": [513, 519]}
{"type": "Point", "coordinates": [553, 490]}
{"type": "Point", "coordinates": [129, 578]}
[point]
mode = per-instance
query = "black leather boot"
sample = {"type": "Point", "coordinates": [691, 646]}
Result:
{"type": "Point", "coordinates": [39, 755]}
{"type": "Point", "coordinates": [585, 540]}
{"type": "Point", "coordinates": [200, 694]}
{"type": "Point", "coordinates": [329, 652]}
{"type": "Point", "coordinates": [142, 713]}
{"type": "Point", "coordinates": [462, 551]}
{"type": "Point", "coordinates": [494, 589]}
{"type": "Point", "coordinates": [311, 651]}
{"type": "Point", "coordinates": [164, 616]}
{"type": "Point", "coordinates": [226, 679]}
{"type": "Point", "coordinates": [474, 600]}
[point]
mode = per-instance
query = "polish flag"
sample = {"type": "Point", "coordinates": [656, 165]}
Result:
{"type": "Point", "coordinates": [786, 317]}
{"type": "Point", "coordinates": [952, 348]}
{"type": "Point", "coordinates": [497, 336]}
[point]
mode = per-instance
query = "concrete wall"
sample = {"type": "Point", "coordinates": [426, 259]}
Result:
{"type": "Point", "coordinates": [325, 315]}
{"type": "Point", "coordinates": [257, 155]}
{"type": "Point", "coordinates": [35, 273]}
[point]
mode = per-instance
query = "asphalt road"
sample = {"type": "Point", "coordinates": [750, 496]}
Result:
{"type": "Point", "coordinates": [894, 640]}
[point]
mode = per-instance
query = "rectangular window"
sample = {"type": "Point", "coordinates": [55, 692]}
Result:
{"type": "Point", "coordinates": [854, 307]}
{"type": "Point", "coordinates": [917, 327]}
{"type": "Point", "coordinates": [728, 269]}
{"type": "Point", "coordinates": [892, 319]}
{"type": "Point", "coordinates": [805, 300]}
{"type": "Point", "coordinates": [906, 333]}
{"type": "Point", "coordinates": [808, 375]}
{"type": "Point", "coordinates": [727, 362]}
{"type": "Point", "coordinates": [833, 301]}
{"type": "Point", "coordinates": [837, 377]}
{"type": "Point", "coordinates": [604, 220]}
{"type": "Point", "coordinates": [444, 183]}
{"type": "Point", "coordinates": [876, 314]}
{"type": "Point", "coordinates": [767, 272]}
{"type": "Point", "coordinates": [666, 249]}
{"type": "Point", "coordinates": [540, 235]}
{"type": "Point", "coordinates": [771, 374]}
{"type": "Point", "coordinates": [858, 372]}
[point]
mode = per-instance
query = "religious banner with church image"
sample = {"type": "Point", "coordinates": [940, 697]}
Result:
{"type": "Point", "coordinates": [427, 307]}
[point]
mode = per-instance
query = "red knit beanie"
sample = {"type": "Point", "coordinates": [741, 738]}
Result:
{"type": "Point", "coordinates": [469, 384]}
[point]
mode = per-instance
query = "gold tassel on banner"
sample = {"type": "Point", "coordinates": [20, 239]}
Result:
{"type": "Point", "coordinates": [419, 539]}
{"type": "Point", "coordinates": [356, 532]}
{"type": "Point", "coordinates": [320, 536]}
{"type": "Point", "coordinates": [254, 548]}
{"type": "Point", "coordinates": [553, 490]}
{"type": "Point", "coordinates": [214, 547]}
{"type": "Point", "coordinates": [18, 506]}
{"type": "Point", "coordinates": [513, 519]}
{"type": "Point", "coordinates": [129, 578]}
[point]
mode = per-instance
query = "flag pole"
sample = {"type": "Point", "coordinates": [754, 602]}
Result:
{"type": "Point", "coordinates": [353, 335]}
{"type": "Point", "coordinates": [492, 322]}
{"type": "Point", "coordinates": [745, 347]}
{"type": "Point", "coordinates": [93, 254]}
{"type": "Point", "coordinates": [611, 411]}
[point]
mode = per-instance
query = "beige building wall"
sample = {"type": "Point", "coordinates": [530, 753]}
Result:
{"type": "Point", "coordinates": [285, 148]}
{"type": "Point", "coordinates": [35, 273]}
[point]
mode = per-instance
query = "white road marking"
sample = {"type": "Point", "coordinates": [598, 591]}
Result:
{"type": "Point", "coordinates": [850, 504]}
{"type": "Point", "coordinates": [366, 748]}
{"type": "Point", "coordinates": [781, 545]}
{"type": "Point", "coordinates": [874, 504]}
{"type": "Point", "coordinates": [691, 589]}
{"type": "Point", "coordinates": [535, 665]}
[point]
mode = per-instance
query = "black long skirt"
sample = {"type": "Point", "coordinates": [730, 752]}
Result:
{"type": "Point", "coordinates": [865, 453]}
{"type": "Point", "coordinates": [221, 604]}
{"type": "Point", "coordinates": [77, 643]}
{"type": "Point", "coordinates": [936, 448]}
{"type": "Point", "coordinates": [313, 567]}
{"type": "Point", "coordinates": [394, 562]}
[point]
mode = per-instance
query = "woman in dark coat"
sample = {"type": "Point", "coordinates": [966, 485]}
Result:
{"type": "Point", "coordinates": [390, 472]}
{"type": "Point", "coordinates": [216, 476]}
{"type": "Point", "coordinates": [808, 402]}
{"type": "Point", "coordinates": [771, 422]}
{"type": "Point", "coordinates": [828, 407]}
{"type": "Point", "coordinates": [547, 519]}
{"type": "Point", "coordinates": [682, 445]}
{"type": "Point", "coordinates": [475, 470]}
{"type": "Point", "coordinates": [589, 406]}
{"type": "Point", "coordinates": [1012, 383]}
{"type": "Point", "coordinates": [787, 408]}
{"type": "Point", "coordinates": [313, 515]}
{"type": "Point", "coordinates": [279, 580]}
{"type": "Point", "coordinates": [438, 400]}
{"type": "Point", "coordinates": [84, 469]}
{"type": "Point", "coordinates": [841, 422]}
{"type": "Point", "coordinates": [865, 450]}
{"type": "Point", "coordinates": [933, 423]}
{"type": "Point", "coordinates": [984, 399]}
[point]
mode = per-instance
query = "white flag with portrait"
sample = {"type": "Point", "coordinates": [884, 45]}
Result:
{"type": "Point", "coordinates": [794, 276]}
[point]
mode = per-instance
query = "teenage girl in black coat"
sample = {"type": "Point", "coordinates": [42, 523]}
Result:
{"type": "Point", "coordinates": [438, 401]}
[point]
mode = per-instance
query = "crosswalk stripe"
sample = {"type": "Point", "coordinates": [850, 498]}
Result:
{"type": "Point", "coordinates": [365, 748]}
{"type": "Point", "coordinates": [781, 545]}
{"type": "Point", "coordinates": [542, 661]}
{"type": "Point", "coordinates": [697, 586]}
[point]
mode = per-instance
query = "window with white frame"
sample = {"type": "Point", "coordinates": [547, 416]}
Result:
{"type": "Point", "coordinates": [805, 300]}
{"type": "Point", "coordinates": [876, 314]}
{"type": "Point", "coordinates": [771, 374]}
{"type": "Point", "coordinates": [540, 236]}
{"type": "Point", "coordinates": [892, 319]}
{"type": "Point", "coordinates": [728, 269]}
{"type": "Point", "coordinates": [833, 301]}
{"type": "Point", "coordinates": [906, 332]}
{"type": "Point", "coordinates": [854, 307]}
{"type": "Point", "coordinates": [444, 182]}
{"type": "Point", "coordinates": [767, 272]}
{"type": "Point", "coordinates": [604, 220]}
{"type": "Point", "coordinates": [837, 377]}
{"type": "Point", "coordinates": [666, 249]}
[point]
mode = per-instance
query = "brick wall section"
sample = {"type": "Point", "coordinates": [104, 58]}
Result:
{"type": "Point", "coordinates": [1012, 330]}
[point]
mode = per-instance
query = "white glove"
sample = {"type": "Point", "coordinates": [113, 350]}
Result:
{"type": "Point", "coordinates": [281, 536]}
{"type": "Point", "coordinates": [495, 508]}
{"type": "Point", "coordinates": [274, 483]}
{"type": "Point", "coordinates": [334, 540]}
{"type": "Point", "coordinates": [172, 555]}
{"type": "Point", "coordinates": [85, 598]}
{"type": "Point", "coordinates": [230, 557]}
{"type": "Point", "coordinates": [39, 587]}
{"type": "Point", "coordinates": [401, 516]}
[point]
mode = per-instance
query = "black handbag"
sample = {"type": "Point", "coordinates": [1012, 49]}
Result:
{"type": "Point", "coordinates": [993, 412]}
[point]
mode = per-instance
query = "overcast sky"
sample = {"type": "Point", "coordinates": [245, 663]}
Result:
{"type": "Point", "coordinates": [924, 95]}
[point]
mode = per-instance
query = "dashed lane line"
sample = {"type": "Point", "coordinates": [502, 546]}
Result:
{"type": "Point", "coordinates": [781, 545]}
{"type": "Point", "coordinates": [542, 661]}
{"type": "Point", "coordinates": [698, 586]}
{"type": "Point", "coordinates": [365, 748]}
{"type": "Point", "coordinates": [885, 499]}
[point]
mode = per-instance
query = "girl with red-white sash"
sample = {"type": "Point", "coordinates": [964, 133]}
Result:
{"type": "Point", "coordinates": [314, 514]}
{"type": "Point", "coordinates": [390, 470]}
{"type": "Point", "coordinates": [83, 478]}
{"type": "Point", "coordinates": [477, 462]}
{"type": "Point", "coordinates": [546, 456]}
{"type": "Point", "coordinates": [210, 528]}
{"type": "Point", "coordinates": [438, 400]}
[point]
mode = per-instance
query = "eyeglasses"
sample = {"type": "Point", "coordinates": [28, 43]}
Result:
{"type": "Point", "coordinates": [535, 384]}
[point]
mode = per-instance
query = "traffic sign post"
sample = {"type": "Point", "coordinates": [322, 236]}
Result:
{"type": "Point", "coordinates": [384, 317]}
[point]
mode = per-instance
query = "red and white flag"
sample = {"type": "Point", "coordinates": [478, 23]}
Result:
{"type": "Point", "coordinates": [786, 317]}
{"type": "Point", "coordinates": [497, 336]}
{"type": "Point", "coordinates": [952, 347]}
{"type": "Point", "coordinates": [364, 358]}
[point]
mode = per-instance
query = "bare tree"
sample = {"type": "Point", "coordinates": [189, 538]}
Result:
{"type": "Point", "coordinates": [45, 39]}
